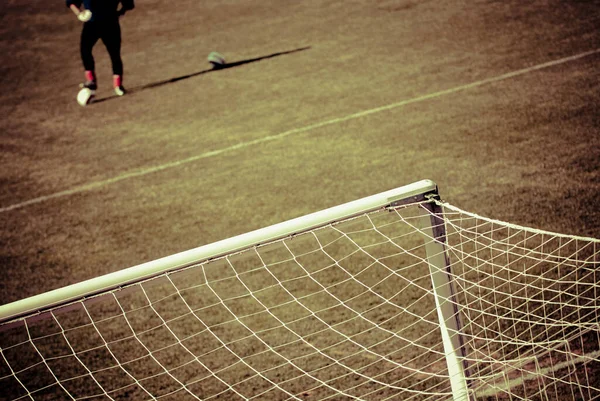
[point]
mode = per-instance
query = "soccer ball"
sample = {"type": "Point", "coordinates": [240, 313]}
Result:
{"type": "Point", "coordinates": [216, 59]}
{"type": "Point", "coordinates": [85, 96]}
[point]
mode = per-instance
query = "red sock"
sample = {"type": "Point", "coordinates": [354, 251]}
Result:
{"type": "Point", "coordinates": [117, 81]}
{"type": "Point", "coordinates": [90, 76]}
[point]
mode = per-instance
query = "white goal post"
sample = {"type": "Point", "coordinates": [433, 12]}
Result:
{"type": "Point", "coordinates": [414, 192]}
{"type": "Point", "coordinates": [394, 296]}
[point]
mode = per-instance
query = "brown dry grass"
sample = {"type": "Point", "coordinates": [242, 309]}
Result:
{"type": "Point", "coordinates": [525, 150]}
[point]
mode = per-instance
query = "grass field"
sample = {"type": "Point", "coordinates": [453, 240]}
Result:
{"type": "Point", "coordinates": [329, 101]}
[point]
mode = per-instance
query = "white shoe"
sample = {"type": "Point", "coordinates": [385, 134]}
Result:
{"type": "Point", "coordinates": [91, 85]}
{"type": "Point", "coordinates": [120, 91]}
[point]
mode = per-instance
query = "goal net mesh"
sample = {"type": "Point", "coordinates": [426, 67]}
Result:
{"type": "Point", "coordinates": [342, 312]}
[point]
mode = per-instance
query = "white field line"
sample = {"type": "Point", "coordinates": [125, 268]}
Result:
{"type": "Point", "coordinates": [497, 387]}
{"type": "Point", "coordinates": [177, 163]}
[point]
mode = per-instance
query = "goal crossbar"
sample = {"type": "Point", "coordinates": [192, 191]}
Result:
{"type": "Point", "coordinates": [398, 295]}
{"type": "Point", "coordinates": [414, 192]}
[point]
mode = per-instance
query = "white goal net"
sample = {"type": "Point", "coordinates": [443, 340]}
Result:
{"type": "Point", "coordinates": [530, 306]}
{"type": "Point", "coordinates": [343, 310]}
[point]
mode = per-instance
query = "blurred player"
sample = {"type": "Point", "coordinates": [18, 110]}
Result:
{"type": "Point", "coordinates": [101, 21]}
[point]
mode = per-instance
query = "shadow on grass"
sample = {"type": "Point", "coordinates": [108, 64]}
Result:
{"type": "Point", "coordinates": [195, 74]}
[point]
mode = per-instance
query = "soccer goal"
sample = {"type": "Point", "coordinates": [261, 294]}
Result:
{"type": "Point", "coordinates": [397, 296]}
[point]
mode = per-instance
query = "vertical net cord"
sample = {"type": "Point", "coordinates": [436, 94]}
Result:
{"type": "Point", "coordinates": [558, 297]}
{"type": "Point", "coordinates": [343, 310]}
{"type": "Point", "coordinates": [14, 374]}
{"type": "Point", "coordinates": [106, 345]}
{"type": "Point", "coordinates": [44, 361]}
{"type": "Point", "coordinates": [223, 344]}
{"type": "Point", "coordinates": [63, 333]}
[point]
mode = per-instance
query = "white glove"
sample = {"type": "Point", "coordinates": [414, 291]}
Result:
{"type": "Point", "coordinates": [84, 16]}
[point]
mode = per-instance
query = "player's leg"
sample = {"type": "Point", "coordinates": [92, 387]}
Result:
{"type": "Point", "coordinates": [89, 37]}
{"type": "Point", "coordinates": [112, 40]}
